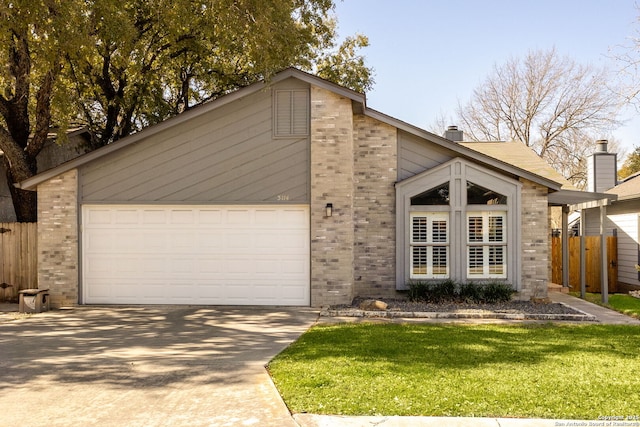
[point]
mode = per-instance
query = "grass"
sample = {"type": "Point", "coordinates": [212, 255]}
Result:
{"type": "Point", "coordinates": [625, 304]}
{"type": "Point", "coordinates": [541, 371]}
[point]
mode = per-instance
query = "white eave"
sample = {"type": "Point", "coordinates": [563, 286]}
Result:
{"type": "Point", "coordinates": [580, 199]}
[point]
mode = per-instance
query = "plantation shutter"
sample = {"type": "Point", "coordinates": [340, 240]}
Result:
{"type": "Point", "coordinates": [429, 245]}
{"type": "Point", "coordinates": [486, 245]}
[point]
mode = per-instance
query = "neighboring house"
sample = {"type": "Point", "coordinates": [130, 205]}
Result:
{"type": "Point", "coordinates": [51, 155]}
{"type": "Point", "coordinates": [623, 215]}
{"type": "Point", "coordinates": [291, 192]}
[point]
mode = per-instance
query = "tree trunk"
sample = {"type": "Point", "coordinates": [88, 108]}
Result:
{"type": "Point", "coordinates": [25, 203]}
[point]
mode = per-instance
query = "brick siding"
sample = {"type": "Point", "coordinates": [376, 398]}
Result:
{"type": "Point", "coordinates": [331, 182]}
{"type": "Point", "coordinates": [535, 241]}
{"type": "Point", "coordinates": [375, 172]}
{"type": "Point", "coordinates": [58, 238]}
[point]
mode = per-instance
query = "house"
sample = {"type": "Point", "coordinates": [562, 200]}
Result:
{"type": "Point", "coordinates": [291, 192]}
{"type": "Point", "coordinates": [622, 216]}
{"type": "Point", "coordinates": [51, 155]}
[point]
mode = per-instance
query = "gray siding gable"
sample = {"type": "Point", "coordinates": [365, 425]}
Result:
{"type": "Point", "coordinates": [416, 155]}
{"type": "Point", "coordinates": [228, 155]}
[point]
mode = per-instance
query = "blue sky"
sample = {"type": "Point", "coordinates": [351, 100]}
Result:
{"type": "Point", "coordinates": [430, 54]}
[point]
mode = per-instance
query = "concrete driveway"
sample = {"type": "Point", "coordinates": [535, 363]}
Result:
{"type": "Point", "coordinates": [145, 366]}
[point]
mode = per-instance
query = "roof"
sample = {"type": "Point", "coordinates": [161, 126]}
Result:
{"type": "Point", "coordinates": [518, 154]}
{"type": "Point", "coordinates": [519, 165]}
{"type": "Point", "coordinates": [627, 189]}
{"type": "Point", "coordinates": [524, 157]}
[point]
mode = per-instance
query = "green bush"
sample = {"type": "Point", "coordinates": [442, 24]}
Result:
{"type": "Point", "coordinates": [443, 291]}
{"type": "Point", "coordinates": [496, 292]}
{"type": "Point", "coordinates": [450, 291]}
{"type": "Point", "coordinates": [471, 292]}
{"type": "Point", "coordinates": [432, 292]}
{"type": "Point", "coordinates": [418, 290]}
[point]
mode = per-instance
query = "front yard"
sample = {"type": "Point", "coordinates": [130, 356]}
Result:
{"type": "Point", "coordinates": [539, 371]}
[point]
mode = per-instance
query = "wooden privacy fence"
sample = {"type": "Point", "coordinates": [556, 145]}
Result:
{"type": "Point", "coordinates": [593, 262]}
{"type": "Point", "coordinates": [18, 258]}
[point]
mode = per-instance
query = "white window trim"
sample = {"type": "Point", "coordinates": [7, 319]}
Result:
{"type": "Point", "coordinates": [486, 244]}
{"type": "Point", "coordinates": [429, 244]}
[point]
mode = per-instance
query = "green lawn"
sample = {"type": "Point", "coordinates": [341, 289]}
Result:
{"type": "Point", "coordinates": [542, 371]}
{"type": "Point", "coordinates": [622, 303]}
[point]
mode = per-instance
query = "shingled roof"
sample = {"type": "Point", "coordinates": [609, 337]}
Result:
{"type": "Point", "coordinates": [627, 189]}
{"type": "Point", "coordinates": [521, 156]}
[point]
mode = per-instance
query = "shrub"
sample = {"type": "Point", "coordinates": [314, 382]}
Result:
{"type": "Point", "coordinates": [418, 290]}
{"type": "Point", "coordinates": [432, 292]}
{"type": "Point", "coordinates": [449, 291]}
{"type": "Point", "coordinates": [443, 291]}
{"type": "Point", "coordinates": [471, 293]}
{"type": "Point", "coordinates": [496, 292]}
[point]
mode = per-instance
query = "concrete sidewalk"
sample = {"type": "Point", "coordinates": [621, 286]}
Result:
{"type": "Point", "coordinates": [602, 314]}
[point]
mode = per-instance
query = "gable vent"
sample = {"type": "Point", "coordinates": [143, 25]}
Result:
{"type": "Point", "coordinates": [291, 113]}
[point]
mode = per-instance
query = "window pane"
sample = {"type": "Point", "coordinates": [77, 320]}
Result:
{"type": "Point", "coordinates": [496, 260]}
{"type": "Point", "coordinates": [429, 247]}
{"type": "Point", "coordinates": [439, 257]}
{"type": "Point", "coordinates": [475, 229]}
{"type": "Point", "coordinates": [477, 195]}
{"type": "Point", "coordinates": [439, 231]}
{"type": "Point", "coordinates": [496, 228]}
{"type": "Point", "coordinates": [419, 260]}
{"type": "Point", "coordinates": [419, 229]}
{"type": "Point", "coordinates": [476, 260]}
{"type": "Point", "coordinates": [435, 196]}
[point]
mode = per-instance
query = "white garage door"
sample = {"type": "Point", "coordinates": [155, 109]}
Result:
{"type": "Point", "coordinates": [232, 255]}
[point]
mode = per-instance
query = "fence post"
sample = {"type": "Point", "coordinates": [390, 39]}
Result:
{"type": "Point", "coordinates": [565, 246]}
{"type": "Point", "coordinates": [583, 264]}
{"type": "Point", "coordinates": [604, 271]}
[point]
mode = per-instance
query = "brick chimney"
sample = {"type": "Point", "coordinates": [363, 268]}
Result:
{"type": "Point", "coordinates": [453, 134]}
{"type": "Point", "coordinates": [601, 168]}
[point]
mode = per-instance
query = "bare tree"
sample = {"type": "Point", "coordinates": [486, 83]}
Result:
{"type": "Point", "coordinates": [550, 103]}
{"type": "Point", "coordinates": [627, 58]}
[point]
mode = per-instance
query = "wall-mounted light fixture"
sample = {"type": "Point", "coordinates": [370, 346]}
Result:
{"type": "Point", "coordinates": [329, 209]}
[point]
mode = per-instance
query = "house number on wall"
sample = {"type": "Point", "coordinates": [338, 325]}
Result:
{"type": "Point", "coordinates": [283, 197]}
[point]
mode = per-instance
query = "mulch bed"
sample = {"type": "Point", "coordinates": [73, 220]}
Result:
{"type": "Point", "coordinates": [516, 310]}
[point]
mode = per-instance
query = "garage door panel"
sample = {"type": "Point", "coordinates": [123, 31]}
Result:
{"type": "Point", "coordinates": [154, 216]}
{"type": "Point", "coordinates": [210, 216]}
{"type": "Point", "coordinates": [238, 216]}
{"type": "Point", "coordinates": [127, 216]}
{"type": "Point", "coordinates": [238, 255]}
{"type": "Point", "coordinates": [99, 241]}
